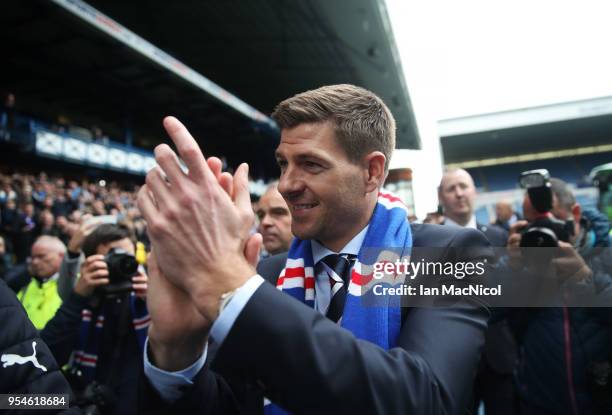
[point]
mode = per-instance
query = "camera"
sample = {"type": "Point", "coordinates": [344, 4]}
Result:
{"type": "Point", "coordinates": [122, 266]}
{"type": "Point", "coordinates": [544, 231]}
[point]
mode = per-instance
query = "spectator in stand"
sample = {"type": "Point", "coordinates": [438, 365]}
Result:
{"type": "Point", "coordinates": [63, 205]}
{"type": "Point", "coordinates": [27, 229]}
{"type": "Point", "coordinates": [7, 192]}
{"type": "Point", "coordinates": [7, 117]}
{"type": "Point", "coordinates": [39, 194]}
{"type": "Point", "coordinates": [47, 226]}
{"type": "Point", "coordinates": [6, 261]}
{"type": "Point", "coordinates": [9, 220]}
{"type": "Point", "coordinates": [98, 208]}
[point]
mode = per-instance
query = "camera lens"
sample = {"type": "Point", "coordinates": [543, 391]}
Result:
{"type": "Point", "coordinates": [128, 265]}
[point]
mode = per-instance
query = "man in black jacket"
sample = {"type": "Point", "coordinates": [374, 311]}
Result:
{"type": "Point", "coordinates": [335, 146]}
{"type": "Point", "coordinates": [36, 371]}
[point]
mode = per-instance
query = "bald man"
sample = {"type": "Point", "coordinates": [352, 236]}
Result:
{"type": "Point", "coordinates": [494, 383]}
{"type": "Point", "coordinates": [40, 297]}
{"type": "Point", "coordinates": [274, 221]}
{"type": "Point", "coordinates": [457, 195]}
{"type": "Point", "coordinates": [505, 215]}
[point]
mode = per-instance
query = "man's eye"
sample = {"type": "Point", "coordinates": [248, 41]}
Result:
{"type": "Point", "coordinates": [281, 163]}
{"type": "Point", "coordinates": [312, 165]}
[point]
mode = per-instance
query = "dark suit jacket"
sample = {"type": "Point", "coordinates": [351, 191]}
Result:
{"type": "Point", "coordinates": [496, 235]}
{"type": "Point", "coordinates": [290, 353]}
{"type": "Point", "coordinates": [500, 347]}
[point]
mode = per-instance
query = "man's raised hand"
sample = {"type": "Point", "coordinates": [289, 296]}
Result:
{"type": "Point", "coordinates": [200, 232]}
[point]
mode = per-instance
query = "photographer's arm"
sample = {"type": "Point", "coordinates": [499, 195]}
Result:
{"type": "Point", "coordinates": [61, 332]}
{"type": "Point", "coordinates": [73, 259]}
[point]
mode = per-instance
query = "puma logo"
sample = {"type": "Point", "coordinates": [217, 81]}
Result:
{"type": "Point", "coordinates": [12, 359]}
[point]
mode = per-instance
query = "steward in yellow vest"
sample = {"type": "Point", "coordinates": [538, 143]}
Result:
{"type": "Point", "coordinates": [40, 297]}
{"type": "Point", "coordinates": [40, 300]}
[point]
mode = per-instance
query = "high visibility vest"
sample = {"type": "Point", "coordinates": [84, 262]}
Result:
{"type": "Point", "coordinates": [40, 301]}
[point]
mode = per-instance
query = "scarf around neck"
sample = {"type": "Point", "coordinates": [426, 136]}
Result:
{"type": "Point", "coordinates": [376, 320]}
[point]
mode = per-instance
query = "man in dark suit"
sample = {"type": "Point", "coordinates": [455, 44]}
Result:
{"type": "Point", "coordinates": [457, 195]}
{"type": "Point", "coordinates": [494, 383]}
{"type": "Point", "coordinates": [204, 289]}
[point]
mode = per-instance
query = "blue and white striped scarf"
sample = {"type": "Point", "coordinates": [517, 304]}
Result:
{"type": "Point", "coordinates": [85, 356]}
{"type": "Point", "coordinates": [380, 324]}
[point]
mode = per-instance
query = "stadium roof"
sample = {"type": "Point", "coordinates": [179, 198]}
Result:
{"type": "Point", "coordinates": [261, 52]}
{"type": "Point", "coordinates": [563, 126]}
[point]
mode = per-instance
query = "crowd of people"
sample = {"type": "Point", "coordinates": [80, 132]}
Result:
{"type": "Point", "coordinates": [208, 325]}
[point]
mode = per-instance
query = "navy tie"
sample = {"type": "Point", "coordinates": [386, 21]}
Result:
{"type": "Point", "coordinates": [339, 280]}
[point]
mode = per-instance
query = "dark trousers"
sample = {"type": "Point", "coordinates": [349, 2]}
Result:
{"type": "Point", "coordinates": [495, 390]}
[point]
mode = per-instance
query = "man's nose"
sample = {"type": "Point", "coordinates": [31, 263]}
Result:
{"type": "Point", "coordinates": [290, 183]}
{"type": "Point", "coordinates": [267, 221]}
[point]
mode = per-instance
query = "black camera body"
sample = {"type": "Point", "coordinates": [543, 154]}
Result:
{"type": "Point", "coordinates": [122, 266]}
{"type": "Point", "coordinates": [545, 231]}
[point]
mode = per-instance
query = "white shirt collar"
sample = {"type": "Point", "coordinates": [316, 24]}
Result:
{"type": "Point", "coordinates": [471, 223]}
{"type": "Point", "coordinates": [352, 247]}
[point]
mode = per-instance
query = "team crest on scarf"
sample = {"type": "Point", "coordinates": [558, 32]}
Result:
{"type": "Point", "coordinates": [379, 324]}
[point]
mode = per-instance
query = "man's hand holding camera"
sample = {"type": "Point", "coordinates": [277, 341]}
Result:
{"type": "Point", "coordinates": [94, 274]}
{"type": "Point", "coordinates": [566, 263]}
{"type": "Point", "coordinates": [569, 264]}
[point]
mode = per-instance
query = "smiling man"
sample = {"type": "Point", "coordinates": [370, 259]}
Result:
{"type": "Point", "coordinates": [274, 221]}
{"type": "Point", "coordinates": [326, 352]}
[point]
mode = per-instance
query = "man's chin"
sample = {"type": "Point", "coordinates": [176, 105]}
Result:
{"type": "Point", "coordinates": [303, 232]}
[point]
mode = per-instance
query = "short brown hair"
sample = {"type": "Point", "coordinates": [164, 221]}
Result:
{"type": "Point", "coordinates": [362, 121]}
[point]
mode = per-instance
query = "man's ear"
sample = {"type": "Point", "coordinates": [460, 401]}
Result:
{"type": "Point", "coordinates": [374, 170]}
{"type": "Point", "coordinates": [576, 215]}
{"type": "Point", "coordinates": [576, 212]}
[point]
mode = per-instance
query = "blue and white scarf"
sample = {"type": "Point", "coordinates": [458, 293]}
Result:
{"type": "Point", "coordinates": [380, 324]}
{"type": "Point", "coordinates": [85, 357]}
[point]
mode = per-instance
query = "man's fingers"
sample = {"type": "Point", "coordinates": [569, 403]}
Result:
{"type": "Point", "coordinates": [94, 258]}
{"type": "Point", "coordinates": [169, 163]}
{"type": "Point", "coordinates": [101, 273]}
{"type": "Point", "coordinates": [188, 149]}
{"type": "Point", "coordinates": [159, 187]}
{"type": "Point", "coordinates": [146, 204]}
{"type": "Point", "coordinates": [215, 165]}
{"type": "Point", "coordinates": [253, 248]}
{"type": "Point", "coordinates": [242, 196]}
{"type": "Point", "coordinates": [227, 183]}
{"type": "Point", "coordinates": [517, 226]}
{"type": "Point", "coordinates": [514, 240]}
{"type": "Point", "coordinates": [99, 264]}
{"type": "Point", "coordinates": [99, 281]}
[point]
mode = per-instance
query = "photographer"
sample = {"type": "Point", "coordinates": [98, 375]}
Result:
{"type": "Point", "coordinates": [100, 329]}
{"type": "Point", "coordinates": [565, 361]}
